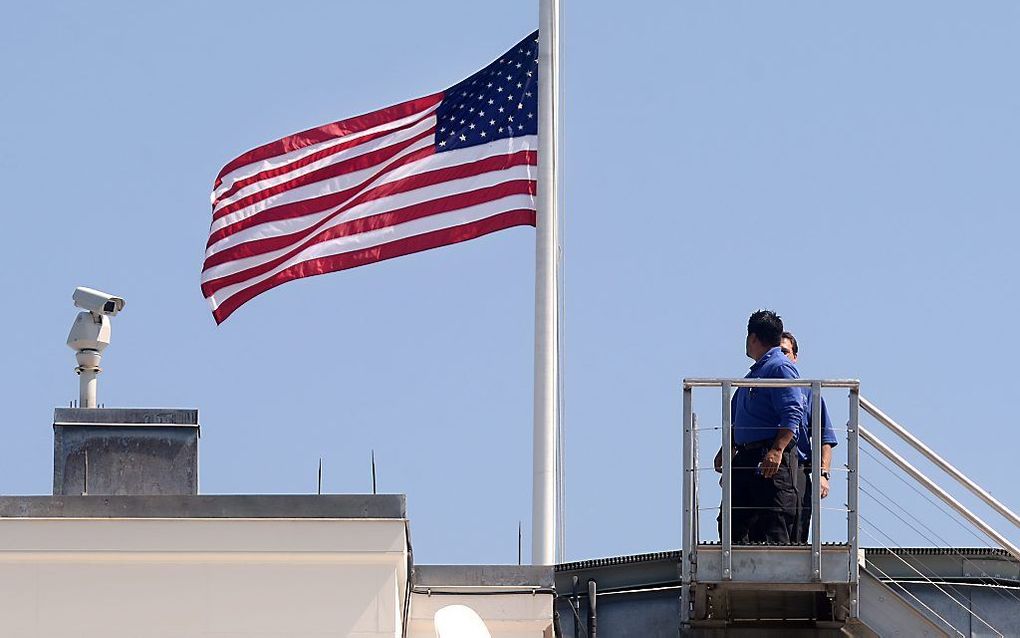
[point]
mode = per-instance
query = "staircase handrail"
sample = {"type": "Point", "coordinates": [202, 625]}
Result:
{"type": "Point", "coordinates": [946, 467]}
{"type": "Point", "coordinates": [932, 487]}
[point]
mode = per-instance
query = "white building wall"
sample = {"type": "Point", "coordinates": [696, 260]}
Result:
{"type": "Point", "coordinates": [513, 615]}
{"type": "Point", "coordinates": [176, 578]}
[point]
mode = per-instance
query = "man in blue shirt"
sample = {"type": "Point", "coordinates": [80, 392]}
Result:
{"type": "Point", "coordinates": [799, 534]}
{"type": "Point", "coordinates": [765, 426]}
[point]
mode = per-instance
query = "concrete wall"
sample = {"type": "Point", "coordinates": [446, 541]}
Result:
{"type": "Point", "coordinates": [133, 577]}
{"type": "Point", "coordinates": [505, 615]}
{"type": "Point", "coordinates": [513, 601]}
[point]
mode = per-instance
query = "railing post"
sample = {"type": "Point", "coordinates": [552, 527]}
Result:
{"type": "Point", "coordinates": [695, 496]}
{"type": "Point", "coordinates": [689, 542]}
{"type": "Point", "coordinates": [727, 484]}
{"type": "Point", "coordinates": [852, 486]}
{"type": "Point", "coordinates": [816, 480]}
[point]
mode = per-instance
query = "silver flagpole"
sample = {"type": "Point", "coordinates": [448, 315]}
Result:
{"type": "Point", "coordinates": [547, 366]}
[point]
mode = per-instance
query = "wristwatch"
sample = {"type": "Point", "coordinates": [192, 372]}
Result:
{"type": "Point", "coordinates": [825, 475]}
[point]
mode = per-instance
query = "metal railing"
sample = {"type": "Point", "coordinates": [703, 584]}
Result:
{"type": "Point", "coordinates": [834, 570]}
{"type": "Point", "coordinates": [690, 480]}
{"type": "Point", "coordinates": [934, 488]}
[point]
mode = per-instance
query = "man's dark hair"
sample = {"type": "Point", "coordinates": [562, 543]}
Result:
{"type": "Point", "coordinates": [767, 326]}
{"type": "Point", "coordinates": [793, 340]}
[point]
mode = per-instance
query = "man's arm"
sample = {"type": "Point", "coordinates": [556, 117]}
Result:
{"type": "Point", "coordinates": [828, 434]}
{"type": "Point", "coordinates": [829, 441]}
{"type": "Point", "coordinates": [787, 404]}
{"type": "Point", "coordinates": [823, 486]}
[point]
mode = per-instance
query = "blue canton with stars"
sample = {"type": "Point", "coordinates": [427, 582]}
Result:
{"type": "Point", "coordinates": [500, 101]}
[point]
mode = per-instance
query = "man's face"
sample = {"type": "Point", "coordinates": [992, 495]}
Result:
{"type": "Point", "coordinates": [786, 346]}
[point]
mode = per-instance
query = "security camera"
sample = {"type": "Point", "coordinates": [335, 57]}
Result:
{"type": "Point", "coordinates": [90, 334]}
{"type": "Point", "coordinates": [96, 301]}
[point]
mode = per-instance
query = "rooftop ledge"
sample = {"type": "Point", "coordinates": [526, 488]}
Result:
{"type": "Point", "coordinates": [350, 506]}
{"type": "Point", "coordinates": [164, 417]}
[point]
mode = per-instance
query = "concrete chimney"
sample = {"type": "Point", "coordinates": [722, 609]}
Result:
{"type": "Point", "coordinates": [113, 451]}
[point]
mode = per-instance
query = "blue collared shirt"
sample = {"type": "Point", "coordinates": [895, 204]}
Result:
{"type": "Point", "coordinates": [804, 437]}
{"type": "Point", "coordinates": [759, 413]}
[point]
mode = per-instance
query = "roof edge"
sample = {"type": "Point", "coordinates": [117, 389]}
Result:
{"type": "Point", "coordinates": [311, 506]}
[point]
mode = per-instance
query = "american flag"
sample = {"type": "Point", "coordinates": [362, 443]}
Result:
{"type": "Point", "coordinates": [433, 171]}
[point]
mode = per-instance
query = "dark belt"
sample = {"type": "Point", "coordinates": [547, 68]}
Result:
{"type": "Point", "coordinates": [763, 444]}
{"type": "Point", "coordinates": [753, 445]}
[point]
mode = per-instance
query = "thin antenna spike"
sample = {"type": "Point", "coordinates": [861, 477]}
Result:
{"type": "Point", "coordinates": [320, 476]}
{"type": "Point", "coordinates": [519, 542]}
{"type": "Point", "coordinates": [374, 491]}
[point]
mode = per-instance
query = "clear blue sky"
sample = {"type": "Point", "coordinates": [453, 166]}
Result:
{"type": "Point", "coordinates": [852, 165]}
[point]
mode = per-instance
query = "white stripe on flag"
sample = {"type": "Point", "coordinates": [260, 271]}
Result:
{"type": "Point", "coordinates": [315, 189]}
{"type": "Point", "coordinates": [383, 236]}
{"type": "Point", "coordinates": [342, 156]}
{"type": "Point", "coordinates": [367, 209]}
{"type": "Point", "coordinates": [448, 159]}
{"type": "Point", "coordinates": [282, 160]}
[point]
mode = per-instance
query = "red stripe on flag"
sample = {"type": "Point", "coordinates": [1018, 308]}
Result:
{"type": "Point", "coordinates": [375, 222]}
{"type": "Point", "coordinates": [315, 204]}
{"type": "Point", "coordinates": [326, 172]}
{"type": "Point", "coordinates": [329, 131]}
{"type": "Point", "coordinates": [420, 180]}
{"type": "Point", "coordinates": [312, 158]}
{"type": "Point", "coordinates": [397, 248]}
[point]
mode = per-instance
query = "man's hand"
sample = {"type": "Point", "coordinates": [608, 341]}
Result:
{"type": "Point", "coordinates": [770, 464]}
{"type": "Point", "coordinates": [718, 461]}
{"type": "Point", "coordinates": [823, 487]}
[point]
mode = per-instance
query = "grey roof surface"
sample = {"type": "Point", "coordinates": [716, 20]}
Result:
{"type": "Point", "coordinates": [941, 551]}
{"type": "Point", "coordinates": [207, 506]}
{"type": "Point", "coordinates": [619, 560]}
{"type": "Point", "coordinates": [661, 568]}
{"type": "Point", "coordinates": [674, 555]}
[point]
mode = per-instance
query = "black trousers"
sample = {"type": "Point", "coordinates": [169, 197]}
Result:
{"type": "Point", "coordinates": [800, 533]}
{"type": "Point", "coordinates": [764, 510]}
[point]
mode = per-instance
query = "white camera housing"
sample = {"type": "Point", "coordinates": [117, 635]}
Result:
{"type": "Point", "coordinates": [90, 334]}
{"type": "Point", "coordinates": [97, 302]}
